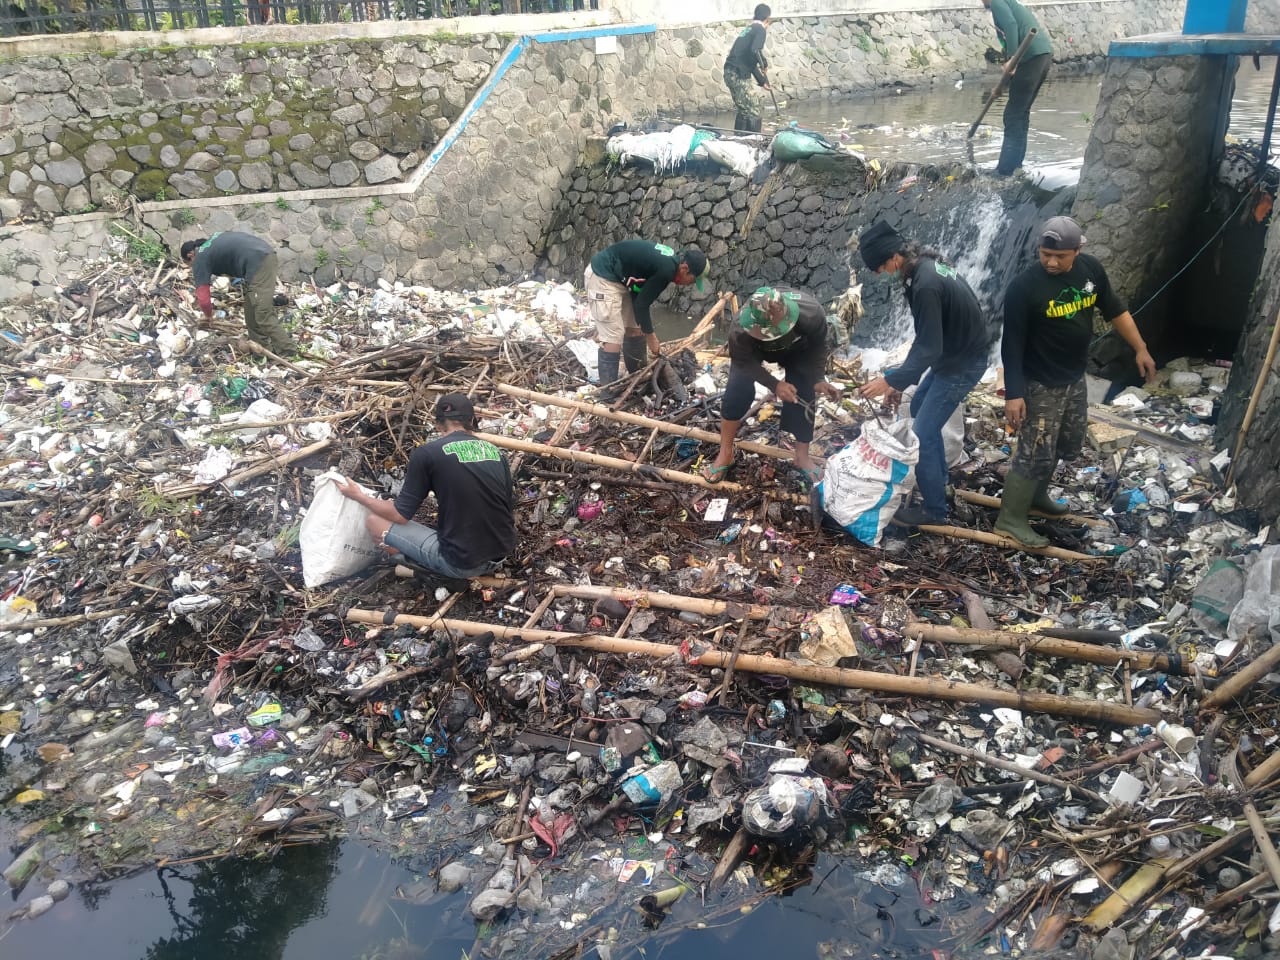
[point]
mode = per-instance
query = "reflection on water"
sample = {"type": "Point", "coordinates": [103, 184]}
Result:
{"type": "Point", "coordinates": [336, 901]}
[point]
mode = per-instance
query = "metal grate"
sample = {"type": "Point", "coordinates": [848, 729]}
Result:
{"type": "Point", "coordinates": [18, 17]}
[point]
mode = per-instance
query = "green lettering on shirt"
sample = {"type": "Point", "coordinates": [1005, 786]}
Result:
{"type": "Point", "coordinates": [943, 270]}
{"type": "Point", "coordinates": [663, 249]}
{"type": "Point", "coordinates": [472, 451]}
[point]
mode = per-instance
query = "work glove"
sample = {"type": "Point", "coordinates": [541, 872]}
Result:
{"type": "Point", "coordinates": [992, 55]}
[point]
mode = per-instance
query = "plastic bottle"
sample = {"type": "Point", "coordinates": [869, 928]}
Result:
{"type": "Point", "coordinates": [1159, 846]}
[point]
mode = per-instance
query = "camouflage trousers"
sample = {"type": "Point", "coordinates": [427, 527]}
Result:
{"type": "Point", "coordinates": [1053, 430]}
{"type": "Point", "coordinates": [744, 101]}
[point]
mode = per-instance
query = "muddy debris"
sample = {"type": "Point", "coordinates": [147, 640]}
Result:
{"type": "Point", "coordinates": [674, 696]}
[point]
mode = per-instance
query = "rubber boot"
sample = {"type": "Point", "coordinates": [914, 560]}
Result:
{"type": "Point", "coordinates": [608, 364]}
{"type": "Point", "coordinates": [635, 352]}
{"type": "Point", "coordinates": [741, 123]}
{"type": "Point", "coordinates": [1045, 503]}
{"type": "Point", "coordinates": [756, 124]}
{"type": "Point", "coordinates": [1014, 504]}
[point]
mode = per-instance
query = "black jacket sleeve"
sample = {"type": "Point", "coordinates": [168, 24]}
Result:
{"type": "Point", "coordinates": [926, 309]}
{"type": "Point", "coordinates": [1014, 345]}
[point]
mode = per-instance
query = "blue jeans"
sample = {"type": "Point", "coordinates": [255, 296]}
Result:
{"type": "Point", "coordinates": [421, 544]}
{"type": "Point", "coordinates": [935, 400]}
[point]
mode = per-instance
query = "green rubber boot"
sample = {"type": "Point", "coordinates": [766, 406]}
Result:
{"type": "Point", "coordinates": [1015, 502]}
{"type": "Point", "coordinates": [1045, 503]}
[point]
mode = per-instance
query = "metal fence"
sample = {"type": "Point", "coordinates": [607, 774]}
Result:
{"type": "Point", "coordinates": [19, 17]}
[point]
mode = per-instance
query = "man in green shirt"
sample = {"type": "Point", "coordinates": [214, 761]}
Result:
{"type": "Point", "coordinates": [1013, 22]}
{"type": "Point", "coordinates": [623, 281]}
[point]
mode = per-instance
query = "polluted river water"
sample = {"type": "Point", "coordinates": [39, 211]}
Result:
{"type": "Point", "coordinates": [339, 899]}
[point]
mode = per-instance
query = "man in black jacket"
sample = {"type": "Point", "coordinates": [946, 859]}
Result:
{"type": "Point", "coordinates": [1048, 326]}
{"type": "Point", "coordinates": [623, 281]}
{"type": "Point", "coordinates": [789, 328]}
{"type": "Point", "coordinates": [951, 342]}
{"type": "Point", "coordinates": [746, 59]}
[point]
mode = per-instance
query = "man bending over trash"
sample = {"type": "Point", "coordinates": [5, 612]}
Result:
{"type": "Point", "coordinates": [472, 483]}
{"type": "Point", "coordinates": [951, 342]}
{"type": "Point", "coordinates": [789, 328]}
{"type": "Point", "coordinates": [1048, 325]}
{"type": "Point", "coordinates": [623, 281]}
{"type": "Point", "coordinates": [234, 254]}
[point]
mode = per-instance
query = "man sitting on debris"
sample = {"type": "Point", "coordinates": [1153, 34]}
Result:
{"type": "Point", "coordinates": [623, 281]}
{"type": "Point", "coordinates": [235, 254]}
{"type": "Point", "coordinates": [472, 483]}
{"type": "Point", "coordinates": [1048, 326]}
{"type": "Point", "coordinates": [746, 59]}
{"type": "Point", "coordinates": [789, 328]}
{"type": "Point", "coordinates": [951, 342]}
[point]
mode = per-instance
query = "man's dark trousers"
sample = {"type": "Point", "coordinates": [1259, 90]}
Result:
{"type": "Point", "coordinates": [1023, 88]}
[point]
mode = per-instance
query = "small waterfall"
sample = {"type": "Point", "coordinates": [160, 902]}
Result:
{"type": "Point", "coordinates": [987, 233]}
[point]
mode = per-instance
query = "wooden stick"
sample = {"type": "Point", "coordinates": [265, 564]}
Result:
{"type": "Point", "coordinates": [1229, 897]}
{"type": "Point", "coordinates": [676, 429]}
{"type": "Point", "coordinates": [626, 466]}
{"type": "Point", "coordinates": [929, 687]}
{"type": "Point", "coordinates": [1268, 849]}
{"type": "Point", "coordinates": [65, 621]}
{"type": "Point", "coordinates": [1263, 374]}
{"type": "Point", "coordinates": [668, 601]}
{"type": "Point", "coordinates": [236, 477]}
{"type": "Point", "coordinates": [1005, 74]}
{"type": "Point", "coordinates": [1264, 772]}
{"type": "Point", "coordinates": [1049, 646]}
{"type": "Point", "coordinates": [982, 500]}
{"type": "Point", "coordinates": [734, 851]}
{"type": "Point", "coordinates": [1008, 543]}
{"type": "Point", "coordinates": [1006, 765]}
{"type": "Point", "coordinates": [1239, 682]}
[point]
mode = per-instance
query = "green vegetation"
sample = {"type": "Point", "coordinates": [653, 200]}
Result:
{"type": "Point", "coordinates": [187, 217]}
{"type": "Point", "coordinates": [147, 249]}
{"type": "Point", "coordinates": [282, 203]}
{"type": "Point", "coordinates": [154, 504]}
{"type": "Point", "coordinates": [322, 257]}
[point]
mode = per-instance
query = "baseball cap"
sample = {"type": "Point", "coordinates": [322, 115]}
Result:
{"type": "Point", "coordinates": [698, 266]}
{"type": "Point", "coordinates": [455, 406]}
{"type": "Point", "coordinates": [1061, 233]}
{"type": "Point", "coordinates": [756, 319]}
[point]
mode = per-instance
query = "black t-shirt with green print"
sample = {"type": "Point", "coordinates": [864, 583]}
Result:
{"type": "Point", "coordinates": [472, 483]}
{"type": "Point", "coordinates": [1048, 323]}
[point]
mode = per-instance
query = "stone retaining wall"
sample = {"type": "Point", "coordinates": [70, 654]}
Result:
{"type": "Point", "coordinates": [794, 229]}
{"type": "Point", "coordinates": [191, 122]}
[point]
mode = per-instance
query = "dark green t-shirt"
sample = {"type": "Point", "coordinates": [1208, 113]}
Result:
{"type": "Point", "coordinates": [644, 268]}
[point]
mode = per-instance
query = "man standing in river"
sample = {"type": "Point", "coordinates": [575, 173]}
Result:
{"type": "Point", "coordinates": [746, 60]}
{"type": "Point", "coordinates": [1013, 22]}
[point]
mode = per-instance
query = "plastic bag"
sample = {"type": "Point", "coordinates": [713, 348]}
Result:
{"type": "Point", "coordinates": [789, 805]}
{"type": "Point", "coordinates": [333, 538]}
{"type": "Point", "coordinates": [1259, 608]}
{"type": "Point", "coordinates": [864, 483]}
{"type": "Point", "coordinates": [1216, 596]}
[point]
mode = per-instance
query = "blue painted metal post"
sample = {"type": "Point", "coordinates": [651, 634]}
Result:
{"type": "Point", "coordinates": [1214, 16]}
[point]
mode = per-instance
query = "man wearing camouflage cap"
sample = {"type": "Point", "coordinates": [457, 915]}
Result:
{"type": "Point", "coordinates": [789, 328]}
{"type": "Point", "coordinates": [1048, 327]}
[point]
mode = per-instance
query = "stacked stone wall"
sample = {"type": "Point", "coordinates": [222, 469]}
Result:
{"type": "Point", "coordinates": [84, 132]}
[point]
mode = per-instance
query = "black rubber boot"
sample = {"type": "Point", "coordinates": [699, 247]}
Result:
{"type": "Point", "coordinates": [1015, 502]}
{"type": "Point", "coordinates": [1041, 501]}
{"type": "Point", "coordinates": [608, 364]}
{"type": "Point", "coordinates": [741, 123]}
{"type": "Point", "coordinates": [635, 352]}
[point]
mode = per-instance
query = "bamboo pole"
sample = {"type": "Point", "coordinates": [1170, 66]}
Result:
{"type": "Point", "coordinates": [247, 473]}
{"type": "Point", "coordinates": [621, 416]}
{"type": "Point", "coordinates": [1270, 858]}
{"type": "Point", "coordinates": [1006, 765]}
{"type": "Point", "coordinates": [1258, 387]}
{"type": "Point", "coordinates": [66, 621]}
{"type": "Point", "coordinates": [1049, 646]}
{"type": "Point", "coordinates": [929, 687]}
{"type": "Point", "coordinates": [1238, 683]}
{"type": "Point", "coordinates": [626, 466]}
{"type": "Point", "coordinates": [1005, 74]}
{"type": "Point", "coordinates": [1229, 897]}
{"type": "Point", "coordinates": [668, 601]}
{"type": "Point", "coordinates": [1264, 772]}
{"type": "Point", "coordinates": [996, 540]}
{"type": "Point", "coordinates": [982, 500]}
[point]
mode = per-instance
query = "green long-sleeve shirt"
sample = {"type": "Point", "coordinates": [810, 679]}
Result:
{"type": "Point", "coordinates": [1013, 22]}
